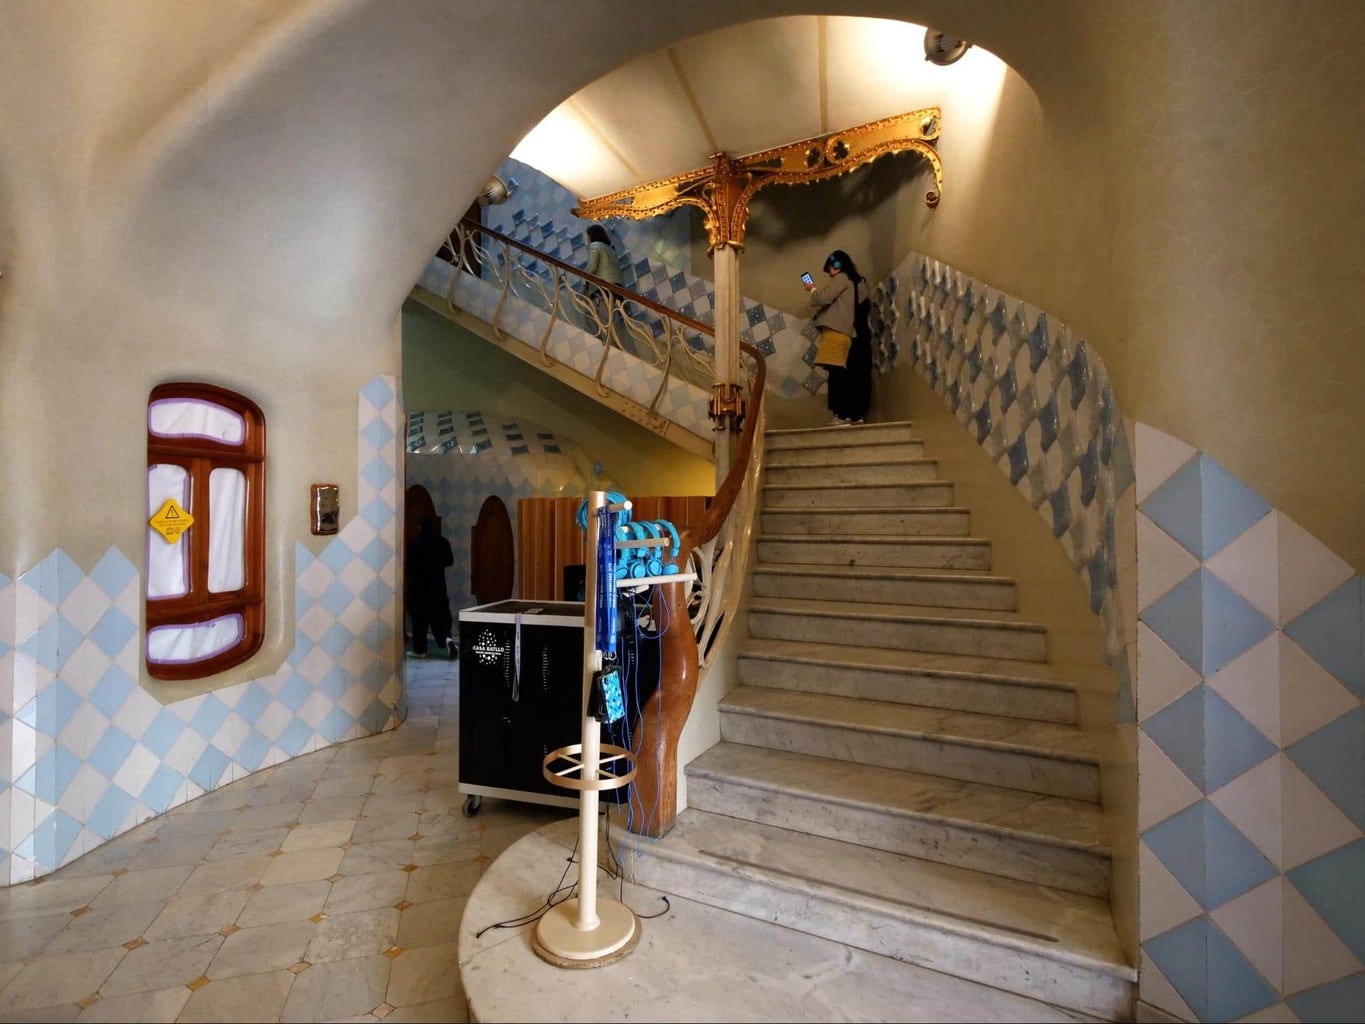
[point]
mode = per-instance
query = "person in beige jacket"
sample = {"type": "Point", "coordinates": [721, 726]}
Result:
{"type": "Point", "coordinates": [841, 306]}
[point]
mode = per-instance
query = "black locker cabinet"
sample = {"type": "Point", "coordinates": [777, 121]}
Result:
{"type": "Point", "coordinates": [510, 719]}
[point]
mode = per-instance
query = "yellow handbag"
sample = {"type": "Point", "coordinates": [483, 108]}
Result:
{"type": "Point", "coordinates": [833, 350]}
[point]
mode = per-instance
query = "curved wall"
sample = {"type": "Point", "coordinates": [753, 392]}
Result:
{"type": "Point", "coordinates": [230, 199]}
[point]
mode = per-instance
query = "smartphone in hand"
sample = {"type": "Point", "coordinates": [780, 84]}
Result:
{"type": "Point", "coordinates": [807, 280]}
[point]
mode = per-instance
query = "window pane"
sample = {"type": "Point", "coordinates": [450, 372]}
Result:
{"type": "Point", "coordinates": [167, 563]}
{"type": "Point", "coordinates": [227, 530]}
{"type": "Point", "coordinates": [196, 641]}
{"type": "Point", "coordinates": [194, 417]}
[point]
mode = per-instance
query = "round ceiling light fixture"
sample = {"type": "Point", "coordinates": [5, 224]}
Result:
{"type": "Point", "coordinates": [943, 49]}
{"type": "Point", "coordinates": [494, 192]}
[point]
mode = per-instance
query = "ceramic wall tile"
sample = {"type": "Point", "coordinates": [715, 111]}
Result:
{"type": "Point", "coordinates": [1307, 570]}
{"type": "Point", "coordinates": [1159, 457]}
{"type": "Point", "coordinates": [90, 754]}
{"type": "Point", "coordinates": [1249, 564]}
{"type": "Point", "coordinates": [1162, 564]}
{"type": "Point", "coordinates": [1269, 728]}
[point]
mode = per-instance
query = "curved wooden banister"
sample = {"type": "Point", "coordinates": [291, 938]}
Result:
{"type": "Point", "coordinates": [666, 712]}
{"type": "Point", "coordinates": [605, 285]}
{"type": "Point", "coordinates": [661, 720]}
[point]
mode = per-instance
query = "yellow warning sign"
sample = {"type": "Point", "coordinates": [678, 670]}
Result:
{"type": "Point", "coordinates": [171, 521]}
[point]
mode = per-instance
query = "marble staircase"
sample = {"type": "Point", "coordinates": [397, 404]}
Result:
{"type": "Point", "coordinates": [899, 768]}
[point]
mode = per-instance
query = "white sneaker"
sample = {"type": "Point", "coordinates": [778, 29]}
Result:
{"type": "Point", "coordinates": [835, 421]}
{"type": "Point", "coordinates": [452, 648]}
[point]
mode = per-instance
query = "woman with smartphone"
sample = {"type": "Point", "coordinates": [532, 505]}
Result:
{"type": "Point", "coordinates": [845, 351]}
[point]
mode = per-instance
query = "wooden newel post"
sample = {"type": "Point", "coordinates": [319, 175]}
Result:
{"type": "Point", "coordinates": [665, 713]}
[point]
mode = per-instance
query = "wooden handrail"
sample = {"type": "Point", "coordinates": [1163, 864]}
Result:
{"type": "Point", "coordinates": [661, 720]}
{"type": "Point", "coordinates": [606, 285]}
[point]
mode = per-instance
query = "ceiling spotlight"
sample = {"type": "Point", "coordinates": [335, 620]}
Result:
{"type": "Point", "coordinates": [494, 191]}
{"type": "Point", "coordinates": [943, 49]}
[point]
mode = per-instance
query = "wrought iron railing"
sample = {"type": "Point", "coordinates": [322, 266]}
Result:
{"type": "Point", "coordinates": [718, 549]}
{"type": "Point", "coordinates": [620, 320]}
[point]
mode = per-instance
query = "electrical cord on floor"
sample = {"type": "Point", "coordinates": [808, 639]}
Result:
{"type": "Point", "coordinates": [615, 871]}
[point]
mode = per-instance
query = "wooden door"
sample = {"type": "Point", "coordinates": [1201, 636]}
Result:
{"type": "Point", "coordinates": [491, 555]}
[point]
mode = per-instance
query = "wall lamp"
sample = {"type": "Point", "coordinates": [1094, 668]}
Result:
{"type": "Point", "coordinates": [943, 49]}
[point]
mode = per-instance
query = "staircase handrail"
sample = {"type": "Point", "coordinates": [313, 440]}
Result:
{"type": "Point", "coordinates": [675, 345]}
{"type": "Point", "coordinates": [603, 283]}
{"type": "Point", "coordinates": [717, 549]}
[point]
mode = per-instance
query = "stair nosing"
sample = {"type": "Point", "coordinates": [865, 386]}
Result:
{"type": "Point", "coordinates": [916, 574]}
{"type": "Point", "coordinates": [793, 606]}
{"type": "Point", "coordinates": [839, 465]}
{"type": "Point", "coordinates": [978, 742]}
{"type": "Point", "coordinates": [942, 673]}
{"type": "Point", "coordinates": [876, 538]}
{"type": "Point", "coordinates": [839, 486]}
{"type": "Point", "coordinates": [845, 429]}
{"type": "Point", "coordinates": [998, 934]}
{"type": "Point", "coordinates": [828, 510]}
{"type": "Point", "coordinates": [1044, 838]}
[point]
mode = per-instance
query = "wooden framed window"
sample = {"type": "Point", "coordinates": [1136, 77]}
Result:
{"type": "Point", "coordinates": [206, 582]}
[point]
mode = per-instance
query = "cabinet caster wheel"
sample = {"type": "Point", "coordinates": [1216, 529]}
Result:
{"type": "Point", "coordinates": [472, 805]}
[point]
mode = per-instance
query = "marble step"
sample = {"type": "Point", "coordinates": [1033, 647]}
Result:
{"type": "Point", "coordinates": [903, 552]}
{"type": "Point", "coordinates": [948, 588]}
{"type": "Point", "coordinates": [859, 522]}
{"type": "Point", "coordinates": [1040, 942]}
{"type": "Point", "coordinates": [915, 494]}
{"type": "Point", "coordinates": [953, 682]}
{"type": "Point", "coordinates": [1044, 839]}
{"type": "Point", "coordinates": [930, 628]}
{"type": "Point", "coordinates": [1036, 757]}
{"type": "Point", "coordinates": [836, 437]}
{"type": "Point", "coordinates": [833, 471]}
{"type": "Point", "coordinates": [854, 453]}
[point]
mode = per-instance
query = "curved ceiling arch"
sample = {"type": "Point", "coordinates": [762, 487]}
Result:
{"type": "Point", "coordinates": [311, 192]}
{"type": "Point", "coordinates": [745, 88]}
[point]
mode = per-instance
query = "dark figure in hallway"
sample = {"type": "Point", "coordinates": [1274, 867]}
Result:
{"type": "Point", "coordinates": [428, 603]}
{"type": "Point", "coordinates": [842, 306]}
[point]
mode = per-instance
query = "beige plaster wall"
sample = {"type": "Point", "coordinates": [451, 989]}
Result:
{"type": "Point", "coordinates": [1179, 181]}
{"type": "Point", "coordinates": [227, 194]}
{"type": "Point", "coordinates": [446, 366]}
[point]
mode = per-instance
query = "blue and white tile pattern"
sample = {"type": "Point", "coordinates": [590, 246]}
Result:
{"type": "Point", "coordinates": [86, 753]}
{"type": "Point", "coordinates": [1251, 751]}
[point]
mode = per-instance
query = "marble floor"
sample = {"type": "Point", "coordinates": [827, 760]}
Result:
{"type": "Point", "coordinates": [330, 887]}
{"type": "Point", "coordinates": [347, 885]}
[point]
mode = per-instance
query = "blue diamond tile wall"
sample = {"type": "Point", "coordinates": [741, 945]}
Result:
{"type": "Point", "coordinates": [656, 262]}
{"type": "Point", "coordinates": [1251, 751]}
{"type": "Point", "coordinates": [1038, 400]}
{"type": "Point", "coordinates": [463, 458]}
{"type": "Point", "coordinates": [1239, 644]}
{"type": "Point", "coordinates": [86, 753]}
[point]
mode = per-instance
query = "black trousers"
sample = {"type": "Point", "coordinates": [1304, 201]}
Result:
{"type": "Point", "coordinates": [429, 615]}
{"type": "Point", "coordinates": [849, 391]}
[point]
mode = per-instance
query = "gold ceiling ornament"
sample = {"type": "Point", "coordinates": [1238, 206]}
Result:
{"type": "Point", "coordinates": [723, 190]}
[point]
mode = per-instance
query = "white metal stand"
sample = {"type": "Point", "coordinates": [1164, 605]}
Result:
{"type": "Point", "coordinates": [588, 931]}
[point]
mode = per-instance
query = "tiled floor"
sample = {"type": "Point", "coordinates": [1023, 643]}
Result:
{"type": "Point", "coordinates": [327, 888]}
